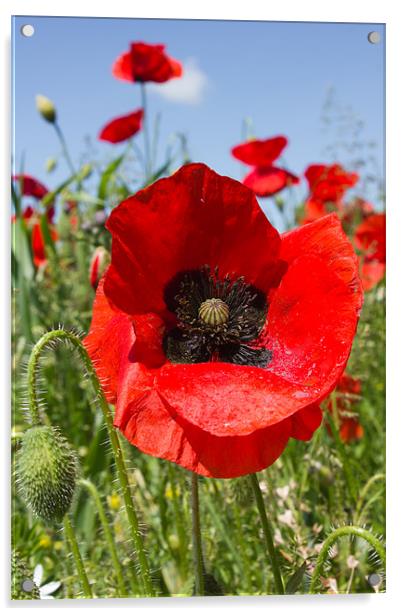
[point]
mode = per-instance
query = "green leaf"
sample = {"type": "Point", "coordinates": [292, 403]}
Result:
{"type": "Point", "coordinates": [296, 579]}
{"type": "Point", "coordinates": [49, 198]}
{"type": "Point", "coordinates": [107, 175]}
{"type": "Point", "coordinates": [83, 197]}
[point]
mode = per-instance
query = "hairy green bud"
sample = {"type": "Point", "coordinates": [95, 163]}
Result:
{"type": "Point", "coordinates": [46, 108]}
{"type": "Point", "coordinates": [22, 584]}
{"type": "Point", "coordinates": [47, 471]}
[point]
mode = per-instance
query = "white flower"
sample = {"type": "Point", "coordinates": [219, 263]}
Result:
{"type": "Point", "coordinates": [46, 591]}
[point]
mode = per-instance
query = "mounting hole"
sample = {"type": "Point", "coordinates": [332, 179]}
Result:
{"type": "Point", "coordinates": [27, 30]}
{"type": "Point", "coordinates": [374, 37]}
{"type": "Point", "coordinates": [374, 579]}
{"type": "Point", "coordinates": [28, 585]}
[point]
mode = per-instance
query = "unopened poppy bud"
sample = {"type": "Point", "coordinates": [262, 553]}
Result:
{"type": "Point", "coordinates": [47, 472]}
{"type": "Point", "coordinates": [99, 262]}
{"type": "Point", "coordinates": [85, 171]}
{"type": "Point", "coordinates": [46, 108]}
{"type": "Point", "coordinates": [51, 164]}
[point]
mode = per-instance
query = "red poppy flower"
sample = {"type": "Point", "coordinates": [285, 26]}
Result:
{"type": "Point", "coordinates": [38, 244]}
{"type": "Point", "coordinates": [329, 182]}
{"type": "Point", "coordinates": [215, 337]}
{"type": "Point", "coordinates": [267, 181]}
{"type": "Point", "coordinates": [30, 187]}
{"type": "Point", "coordinates": [144, 62]}
{"type": "Point", "coordinates": [122, 128]}
{"type": "Point", "coordinates": [264, 180]}
{"type": "Point", "coordinates": [350, 428]}
{"type": "Point", "coordinates": [370, 239]}
{"type": "Point", "coordinates": [260, 153]}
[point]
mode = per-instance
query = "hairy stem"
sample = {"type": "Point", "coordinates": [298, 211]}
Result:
{"type": "Point", "coordinates": [72, 339]}
{"type": "Point", "coordinates": [63, 143]}
{"type": "Point", "coordinates": [72, 541]}
{"type": "Point", "coordinates": [268, 534]}
{"type": "Point", "coordinates": [196, 537]}
{"type": "Point", "coordinates": [332, 538]}
{"type": "Point", "coordinates": [88, 485]}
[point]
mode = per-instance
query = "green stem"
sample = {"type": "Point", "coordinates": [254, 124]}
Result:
{"type": "Point", "coordinates": [364, 491]}
{"type": "Point", "coordinates": [332, 538]}
{"type": "Point", "coordinates": [147, 146]}
{"type": "Point", "coordinates": [196, 537]}
{"type": "Point", "coordinates": [82, 574]}
{"type": "Point", "coordinates": [33, 366]}
{"type": "Point", "coordinates": [349, 476]}
{"type": "Point", "coordinates": [108, 535]}
{"type": "Point", "coordinates": [268, 534]}
{"type": "Point", "coordinates": [181, 532]}
{"type": "Point", "coordinates": [63, 143]}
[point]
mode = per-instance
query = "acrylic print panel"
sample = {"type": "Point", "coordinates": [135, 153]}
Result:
{"type": "Point", "coordinates": [198, 269]}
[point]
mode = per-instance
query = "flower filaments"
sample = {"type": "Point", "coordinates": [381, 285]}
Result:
{"type": "Point", "coordinates": [217, 319]}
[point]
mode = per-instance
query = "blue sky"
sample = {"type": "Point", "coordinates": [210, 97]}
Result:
{"type": "Point", "coordinates": [276, 73]}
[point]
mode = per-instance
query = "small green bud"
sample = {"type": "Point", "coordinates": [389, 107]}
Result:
{"type": "Point", "coordinates": [46, 108]}
{"type": "Point", "coordinates": [51, 164]}
{"type": "Point", "coordinates": [22, 584]}
{"type": "Point", "coordinates": [47, 471]}
{"type": "Point", "coordinates": [85, 171]}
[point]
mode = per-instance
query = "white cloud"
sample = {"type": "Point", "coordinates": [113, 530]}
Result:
{"type": "Point", "coordinates": [190, 88]}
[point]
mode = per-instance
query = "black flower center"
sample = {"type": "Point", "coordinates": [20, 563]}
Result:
{"type": "Point", "coordinates": [217, 319]}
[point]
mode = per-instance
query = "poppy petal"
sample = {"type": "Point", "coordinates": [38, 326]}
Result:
{"type": "Point", "coordinates": [123, 127]}
{"type": "Point", "coordinates": [260, 153]}
{"type": "Point", "coordinates": [147, 422]}
{"type": "Point", "coordinates": [156, 236]}
{"type": "Point", "coordinates": [306, 422]}
{"type": "Point", "coordinates": [31, 187]}
{"type": "Point", "coordinates": [372, 272]}
{"type": "Point", "coordinates": [267, 181]}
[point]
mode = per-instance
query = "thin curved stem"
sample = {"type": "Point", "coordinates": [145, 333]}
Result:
{"type": "Point", "coordinates": [268, 534]}
{"type": "Point", "coordinates": [33, 367]}
{"type": "Point", "coordinates": [196, 537]}
{"type": "Point", "coordinates": [72, 541]}
{"type": "Point", "coordinates": [349, 476]}
{"type": "Point", "coordinates": [63, 143]}
{"type": "Point", "coordinates": [147, 144]}
{"type": "Point", "coordinates": [364, 491]}
{"type": "Point", "coordinates": [88, 485]}
{"type": "Point", "coordinates": [332, 538]}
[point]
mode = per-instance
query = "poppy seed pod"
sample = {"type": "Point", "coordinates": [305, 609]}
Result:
{"type": "Point", "coordinates": [47, 471]}
{"type": "Point", "coordinates": [46, 108]}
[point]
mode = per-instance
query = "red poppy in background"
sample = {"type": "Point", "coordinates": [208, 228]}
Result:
{"type": "Point", "coordinates": [30, 187]}
{"type": "Point", "coordinates": [38, 244]}
{"type": "Point", "coordinates": [348, 390]}
{"type": "Point", "coordinates": [145, 62]}
{"type": "Point", "coordinates": [370, 239]}
{"type": "Point", "coordinates": [99, 261]}
{"type": "Point", "coordinates": [122, 128]}
{"type": "Point", "coordinates": [265, 179]}
{"type": "Point", "coordinates": [327, 187]}
{"type": "Point", "coordinates": [209, 328]}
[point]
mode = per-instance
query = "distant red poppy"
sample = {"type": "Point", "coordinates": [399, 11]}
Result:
{"type": "Point", "coordinates": [265, 180]}
{"type": "Point", "coordinates": [328, 185]}
{"type": "Point", "coordinates": [38, 244]}
{"type": "Point", "coordinates": [30, 187]}
{"type": "Point", "coordinates": [122, 128]}
{"type": "Point", "coordinates": [350, 428]}
{"type": "Point", "coordinates": [329, 182]}
{"type": "Point", "coordinates": [145, 62]}
{"type": "Point", "coordinates": [370, 239]}
{"type": "Point", "coordinates": [260, 153]}
{"type": "Point", "coordinates": [215, 337]}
